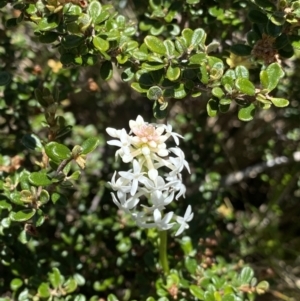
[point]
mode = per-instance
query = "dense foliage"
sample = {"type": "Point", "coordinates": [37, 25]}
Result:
{"type": "Point", "coordinates": [224, 74]}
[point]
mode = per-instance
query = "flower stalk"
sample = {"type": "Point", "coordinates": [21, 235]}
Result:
{"type": "Point", "coordinates": [163, 253]}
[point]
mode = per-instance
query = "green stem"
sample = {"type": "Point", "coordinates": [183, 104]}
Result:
{"type": "Point", "coordinates": [163, 254]}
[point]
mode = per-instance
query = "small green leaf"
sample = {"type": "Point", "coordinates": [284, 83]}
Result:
{"type": "Point", "coordinates": [39, 218]}
{"type": "Point", "coordinates": [198, 37]}
{"type": "Point", "coordinates": [71, 41]}
{"type": "Point", "coordinates": [197, 292]}
{"type": "Point", "coordinates": [247, 113]}
{"type": "Point", "coordinates": [229, 297]}
{"type": "Point", "coordinates": [155, 45]}
{"type": "Point", "coordinates": [32, 142]}
{"type": "Point", "coordinates": [112, 297]}
{"type": "Point", "coordinates": [89, 145]}
{"type": "Point", "coordinates": [158, 112]}
{"type": "Point", "coordinates": [55, 278]}
{"type": "Point", "coordinates": [48, 23]}
{"type": "Point", "coordinates": [262, 287]}
{"type": "Point", "coordinates": [39, 178]}
{"type": "Point", "coordinates": [5, 78]}
{"type": "Point", "coordinates": [245, 86]}
{"type": "Point", "coordinates": [80, 297]}
{"type": "Point", "coordinates": [57, 151]}
{"type": "Point", "coordinates": [100, 44]}
{"type": "Point", "coordinates": [23, 296]}
{"type": "Point", "coordinates": [270, 77]}
{"type": "Point", "coordinates": [79, 279]}
{"type": "Point", "coordinates": [5, 222]}
{"type": "Point", "coordinates": [246, 275]}
{"type": "Point", "coordinates": [16, 283]}
{"type": "Point", "coordinates": [106, 70]}
{"type": "Point", "coordinates": [197, 59]}
{"type": "Point", "coordinates": [154, 93]}
{"type": "Point", "coordinates": [44, 196]}
{"type": "Point", "coordinates": [24, 237]}
{"type": "Point", "coordinates": [217, 92]}
{"type": "Point", "coordinates": [279, 102]}
{"type": "Point", "coordinates": [70, 285]}
{"type": "Point", "coordinates": [94, 10]}
{"type": "Point", "coordinates": [44, 290]}
{"type": "Point", "coordinates": [170, 48]}
{"type": "Point", "coordinates": [5, 205]}
{"type": "Point", "coordinates": [212, 107]}
{"type": "Point", "coordinates": [59, 198]}
{"type": "Point", "coordinates": [241, 49]}
{"type": "Point", "coordinates": [22, 215]}
{"type": "Point", "coordinates": [241, 71]}
{"type": "Point", "coordinates": [173, 73]}
{"type": "Point", "coordinates": [152, 66]}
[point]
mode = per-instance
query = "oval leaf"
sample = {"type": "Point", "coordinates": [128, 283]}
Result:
{"type": "Point", "coordinates": [39, 179]}
{"type": "Point", "coordinates": [155, 45]}
{"type": "Point", "coordinates": [247, 113]}
{"type": "Point", "coordinates": [245, 86]}
{"type": "Point", "coordinates": [57, 151]}
{"type": "Point", "coordinates": [279, 102]}
{"type": "Point", "coordinates": [89, 145]}
{"type": "Point", "coordinates": [22, 215]}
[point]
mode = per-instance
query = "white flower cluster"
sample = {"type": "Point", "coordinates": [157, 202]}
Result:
{"type": "Point", "coordinates": [145, 148]}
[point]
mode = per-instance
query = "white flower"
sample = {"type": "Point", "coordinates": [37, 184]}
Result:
{"type": "Point", "coordinates": [123, 203]}
{"type": "Point", "coordinates": [154, 180]}
{"type": "Point", "coordinates": [163, 223]}
{"type": "Point", "coordinates": [134, 177]}
{"type": "Point", "coordinates": [159, 200]}
{"type": "Point", "coordinates": [182, 221]}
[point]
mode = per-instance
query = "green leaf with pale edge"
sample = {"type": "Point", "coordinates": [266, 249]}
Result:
{"type": "Point", "coordinates": [241, 71]}
{"type": "Point", "coordinates": [173, 73]}
{"type": "Point", "coordinates": [22, 215]}
{"type": "Point", "coordinates": [279, 102]}
{"type": "Point", "coordinates": [89, 145]}
{"type": "Point", "coordinates": [197, 292]}
{"type": "Point", "coordinates": [217, 91]}
{"type": "Point", "coordinates": [70, 285]}
{"type": "Point", "coordinates": [154, 93]}
{"type": "Point", "coordinates": [94, 10]}
{"type": "Point", "coordinates": [170, 48]}
{"type": "Point", "coordinates": [15, 284]}
{"type": "Point", "coordinates": [198, 37]}
{"type": "Point", "coordinates": [270, 77]}
{"type": "Point", "coordinates": [55, 278]}
{"type": "Point", "coordinates": [106, 70]}
{"type": "Point", "coordinates": [32, 142]}
{"type": "Point", "coordinates": [245, 86]}
{"type": "Point", "coordinates": [59, 199]}
{"type": "Point", "coordinates": [247, 113]}
{"type": "Point", "coordinates": [155, 45]}
{"type": "Point", "coordinates": [5, 205]}
{"type": "Point", "coordinates": [44, 290]}
{"type": "Point", "coordinates": [212, 107]}
{"type": "Point", "coordinates": [262, 287]}
{"type": "Point", "coordinates": [100, 43]}
{"type": "Point", "coordinates": [246, 275]}
{"type": "Point", "coordinates": [39, 178]}
{"type": "Point", "coordinates": [57, 151]}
